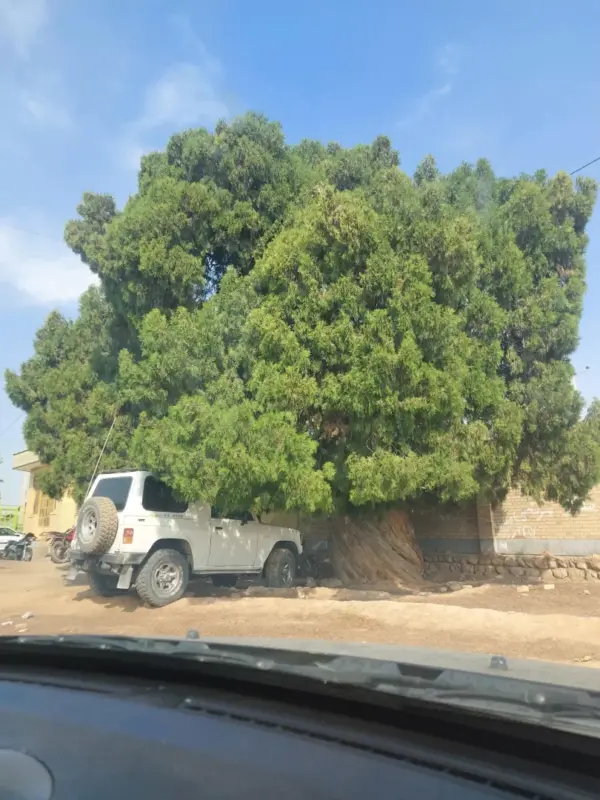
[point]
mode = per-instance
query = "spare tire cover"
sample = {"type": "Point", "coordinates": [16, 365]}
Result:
{"type": "Point", "coordinates": [97, 525]}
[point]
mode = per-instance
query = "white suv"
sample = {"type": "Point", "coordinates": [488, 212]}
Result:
{"type": "Point", "coordinates": [131, 531]}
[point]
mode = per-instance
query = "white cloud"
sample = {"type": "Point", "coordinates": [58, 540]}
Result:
{"type": "Point", "coordinates": [447, 64]}
{"type": "Point", "coordinates": [42, 106]}
{"type": "Point", "coordinates": [424, 105]}
{"type": "Point", "coordinates": [187, 94]}
{"type": "Point", "coordinates": [30, 95]}
{"type": "Point", "coordinates": [130, 153]}
{"type": "Point", "coordinates": [34, 104]}
{"type": "Point", "coordinates": [20, 23]}
{"type": "Point", "coordinates": [448, 59]}
{"type": "Point", "coordinates": [41, 271]}
{"type": "Point", "coordinates": [45, 113]}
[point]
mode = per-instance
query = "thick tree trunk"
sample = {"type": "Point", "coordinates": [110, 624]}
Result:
{"type": "Point", "coordinates": [374, 550]}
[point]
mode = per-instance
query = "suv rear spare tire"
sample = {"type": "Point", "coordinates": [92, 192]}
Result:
{"type": "Point", "coordinates": [280, 568]}
{"type": "Point", "coordinates": [163, 579]}
{"type": "Point", "coordinates": [97, 525]}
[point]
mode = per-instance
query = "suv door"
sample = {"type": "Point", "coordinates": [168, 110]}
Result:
{"type": "Point", "coordinates": [233, 540]}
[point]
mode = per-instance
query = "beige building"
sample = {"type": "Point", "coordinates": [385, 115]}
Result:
{"type": "Point", "coordinates": [40, 514]}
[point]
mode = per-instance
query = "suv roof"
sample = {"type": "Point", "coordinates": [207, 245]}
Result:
{"type": "Point", "coordinates": [123, 470]}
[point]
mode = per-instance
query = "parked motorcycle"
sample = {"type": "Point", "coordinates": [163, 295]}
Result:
{"type": "Point", "coordinates": [21, 550]}
{"type": "Point", "coordinates": [60, 545]}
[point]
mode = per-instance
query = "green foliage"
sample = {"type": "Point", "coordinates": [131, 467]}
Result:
{"type": "Point", "coordinates": [67, 389]}
{"type": "Point", "coordinates": [307, 327]}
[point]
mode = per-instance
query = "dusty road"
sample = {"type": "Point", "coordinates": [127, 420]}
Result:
{"type": "Point", "coordinates": [558, 625]}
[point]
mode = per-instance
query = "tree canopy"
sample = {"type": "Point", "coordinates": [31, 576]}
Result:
{"type": "Point", "coordinates": [308, 327]}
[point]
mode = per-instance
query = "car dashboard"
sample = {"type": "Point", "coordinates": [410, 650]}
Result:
{"type": "Point", "coordinates": [67, 734]}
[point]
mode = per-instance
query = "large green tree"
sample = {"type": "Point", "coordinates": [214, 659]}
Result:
{"type": "Point", "coordinates": [309, 327]}
{"type": "Point", "coordinates": [68, 389]}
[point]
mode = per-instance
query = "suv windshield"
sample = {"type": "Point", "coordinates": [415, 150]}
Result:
{"type": "Point", "coordinates": [321, 343]}
{"type": "Point", "coordinates": [117, 489]}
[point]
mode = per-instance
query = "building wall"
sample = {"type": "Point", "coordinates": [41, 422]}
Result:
{"type": "Point", "coordinates": [520, 525]}
{"type": "Point", "coordinates": [41, 514]}
{"type": "Point", "coordinates": [442, 530]}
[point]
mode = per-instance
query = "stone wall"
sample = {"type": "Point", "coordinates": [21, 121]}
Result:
{"type": "Point", "coordinates": [545, 568]}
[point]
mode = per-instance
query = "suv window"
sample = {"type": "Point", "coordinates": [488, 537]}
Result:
{"type": "Point", "coordinates": [117, 489]}
{"type": "Point", "coordinates": [240, 516]}
{"type": "Point", "coordinates": [159, 497]}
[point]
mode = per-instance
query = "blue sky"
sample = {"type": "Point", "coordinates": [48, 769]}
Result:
{"type": "Point", "coordinates": [85, 88]}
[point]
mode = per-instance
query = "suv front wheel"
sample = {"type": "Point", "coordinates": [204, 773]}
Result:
{"type": "Point", "coordinates": [163, 579]}
{"type": "Point", "coordinates": [280, 569]}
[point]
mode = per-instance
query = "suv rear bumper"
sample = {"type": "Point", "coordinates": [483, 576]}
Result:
{"type": "Point", "coordinates": [105, 562]}
{"type": "Point", "coordinates": [120, 564]}
{"type": "Point", "coordinates": [85, 561]}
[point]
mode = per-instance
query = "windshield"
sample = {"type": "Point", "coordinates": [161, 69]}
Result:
{"type": "Point", "coordinates": [312, 306]}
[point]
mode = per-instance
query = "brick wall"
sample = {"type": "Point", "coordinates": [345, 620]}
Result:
{"type": "Point", "coordinates": [521, 526]}
{"type": "Point", "coordinates": [440, 530]}
{"type": "Point", "coordinates": [517, 526]}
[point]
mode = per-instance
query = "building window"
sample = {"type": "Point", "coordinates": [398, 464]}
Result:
{"type": "Point", "coordinates": [46, 508]}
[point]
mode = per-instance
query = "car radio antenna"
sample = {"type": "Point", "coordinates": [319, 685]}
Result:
{"type": "Point", "coordinates": [102, 452]}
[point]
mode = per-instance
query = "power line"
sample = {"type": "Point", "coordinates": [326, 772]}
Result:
{"type": "Point", "coordinates": [584, 166]}
{"type": "Point", "coordinates": [33, 233]}
{"type": "Point", "coordinates": [14, 422]}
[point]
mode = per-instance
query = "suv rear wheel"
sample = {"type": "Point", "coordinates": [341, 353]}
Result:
{"type": "Point", "coordinates": [163, 579]}
{"type": "Point", "coordinates": [105, 585]}
{"type": "Point", "coordinates": [280, 568]}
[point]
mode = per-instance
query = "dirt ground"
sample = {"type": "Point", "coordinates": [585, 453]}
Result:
{"type": "Point", "coordinates": [559, 625]}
